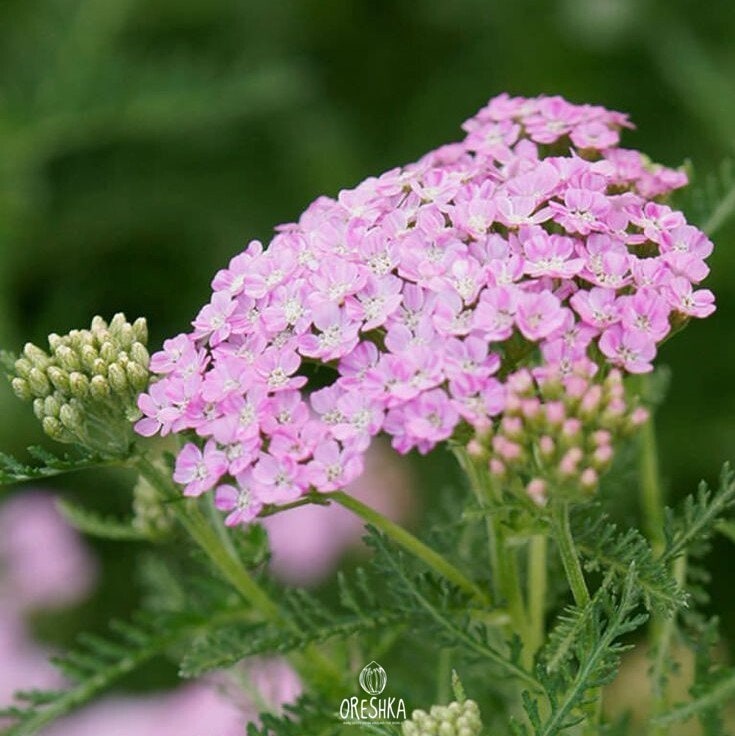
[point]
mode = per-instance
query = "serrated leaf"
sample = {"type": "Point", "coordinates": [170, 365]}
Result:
{"type": "Point", "coordinates": [13, 470]}
{"type": "Point", "coordinates": [92, 523]}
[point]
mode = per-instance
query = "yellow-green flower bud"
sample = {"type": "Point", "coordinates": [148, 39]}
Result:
{"type": "Point", "coordinates": [38, 409]}
{"type": "Point", "coordinates": [51, 406]}
{"type": "Point", "coordinates": [58, 377]}
{"type": "Point", "coordinates": [71, 417]}
{"type": "Point", "coordinates": [23, 367]}
{"type": "Point", "coordinates": [126, 337]}
{"type": "Point", "coordinates": [68, 358]}
{"type": "Point", "coordinates": [38, 383]}
{"type": "Point", "coordinates": [117, 379]}
{"type": "Point", "coordinates": [139, 354]}
{"type": "Point", "coordinates": [22, 389]}
{"type": "Point", "coordinates": [117, 323]}
{"type": "Point", "coordinates": [99, 388]}
{"type": "Point", "coordinates": [88, 355]}
{"type": "Point", "coordinates": [455, 709]}
{"type": "Point", "coordinates": [79, 338]}
{"type": "Point", "coordinates": [100, 367]}
{"type": "Point", "coordinates": [55, 342]}
{"type": "Point", "coordinates": [140, 330]}
{"type": "Point", "coordinates": [54, 429]}
{"type": "Point", "coordinates": [137, 376]}
{"type": "Point", "coordinates": [446, 729]}
{"type": "Point", "coordinates": [37, 356]}
{"type": "Point", "coordinates": [108, 352]}
{"type": "Point", "coordinates": [99, 325]}
{"type": "Point", "coordinates": [410, 729]}
{"type": "Point", "coordinates": [78, 385]}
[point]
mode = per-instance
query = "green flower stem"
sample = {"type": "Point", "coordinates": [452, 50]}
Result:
{"type": "Point", "coordinates": [212, 539]}
{"type": "Point", "coordinates": [537, 585]}
{"type": "Point", "coordinates": [481, 494]}
{"type": "Point", "coordinates": [652, 502]}
{"type": "Point", "coordinates": [569, 554]}
{"type": "Point", "coordinates": [652, 498]}
{"type": "Point", "coordinates": [202, 532]}
{"type": "Point", "coordinates": [411, 543]}
{"type": "Point", "coordinates": [662, 634]}
{"type": "Point", "coordinates": [503, 557]}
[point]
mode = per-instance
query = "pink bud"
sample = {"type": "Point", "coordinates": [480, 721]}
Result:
{"type": "Point", "coordinates": [588, 479]}
{"type": "Point", "coordinates": [536, 489]}
{"type": "Point", "coordinates": [591, 400]}
{"type": "Point", "coordinates": [555, 412]}
{"type": "Point", "coordinates": [571, 427]}
{"type": "Point", "coordinates": [530, 407]}
{"type": "Point", "coordinates": [509, 450]}
{"type": "Point", "coordinates": [568, 464]}
{"type": "Point", "coordinates": [575, 386]}
{"type": "Point", "coordinates": [615, 408]}
{"type": "Point", "coordinates": [546, 445]}
{"type": "Point", "coordinates": [475, 448]}
{"type": "Point", "coordinates": [512, 426]}
{"type": "Point", "coordinates": [601, 437]}
{"type": "Point", "coordinates": [639, 416]}
{"type": "Point", "coordinates": [603, 454]}
{"type": "Point", "coordinates": [497, 469]}
{"type": "Point", "coordinates": [520, 382]}
{"type": "Point", "coordinates": [512, 404]}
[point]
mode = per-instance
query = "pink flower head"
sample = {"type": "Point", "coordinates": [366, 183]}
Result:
{"type": "Point", "coordinates": [415, 300]}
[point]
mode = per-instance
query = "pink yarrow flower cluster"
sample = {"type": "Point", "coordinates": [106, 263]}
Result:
{"type": "Point", "coordinates": [535, 238]}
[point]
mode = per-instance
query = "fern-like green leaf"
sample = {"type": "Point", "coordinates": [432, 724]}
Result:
{"type": "Point", "coordinates": [597, 659]}
{"type": "Point", "coordinates": [228, 644]}
{"type": "Point", "coordinates": [89, 522]}
{"type": "Point", "coordinates": [98, 662]}
{"type": "Point", "coordinates": [603, 547]}
{"type": "Point", "coordinates": [716, 695]}
{"type": "Point", "coordinates": [439, 603]}
{"type": "Point", "coordinates": [699, 515]}
{"type": "Point", "coordinates": [306, 716]}
{"type": "Point", "coordinates": [13, 470]}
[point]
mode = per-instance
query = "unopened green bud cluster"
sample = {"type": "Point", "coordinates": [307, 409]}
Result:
{"type": "Point", "coordinates": [455, 719]}
{"type": "Point", "coordinates": [84, 389]}
{"type": "Point", "coordinates": [559, 432]}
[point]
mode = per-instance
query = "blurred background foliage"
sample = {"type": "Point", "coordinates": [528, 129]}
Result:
{"type": "Point", "coordinates": [142, 144]}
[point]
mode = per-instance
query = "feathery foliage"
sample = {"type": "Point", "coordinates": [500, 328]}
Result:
{"type": "Point", "coordinates": [13, 470]}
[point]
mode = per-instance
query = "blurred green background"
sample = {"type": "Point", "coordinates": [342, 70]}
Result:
{"type": "Point", "coordinates": [142, 144]}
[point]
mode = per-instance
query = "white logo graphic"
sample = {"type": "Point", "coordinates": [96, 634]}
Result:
{"type": "Point", "coordinates": [373, 709]}
{"type": "Point", "coordinates": [373, 679]}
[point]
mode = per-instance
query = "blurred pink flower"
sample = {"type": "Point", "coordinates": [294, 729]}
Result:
{"type": "Point", "coordinates": [218, 708]}
{"type": "Point", "coordinates": [45, 564]}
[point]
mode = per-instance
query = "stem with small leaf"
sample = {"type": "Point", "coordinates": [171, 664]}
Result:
{"type": "Point", "coordinates": [410, 543]}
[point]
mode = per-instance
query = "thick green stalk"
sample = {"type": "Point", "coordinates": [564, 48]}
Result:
{"type": "Point", "coordinates": [537, 585]}
{"type": "Point", "coordinates": [482, 492]}
{"type": "Point", "coordinates": [569, 554]}
{"type": "Point", "coordinates": [503, 557]}
{"type": "Point", "coordinates": [652, 498]}
{"type": "Point", "coordinates": [411, 543]}
{"type": "Point", "coordinates": [662, 634]}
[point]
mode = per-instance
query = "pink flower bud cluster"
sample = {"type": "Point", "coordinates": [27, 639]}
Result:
{"type": "Point", "coordinates": [536, 238]}
{"type": "Point", "coordinates": [558, 429]}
